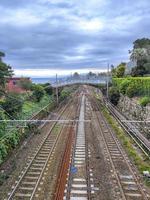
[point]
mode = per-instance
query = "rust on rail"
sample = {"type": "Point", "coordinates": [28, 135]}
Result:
{"type": "Point", "coordinates": [61, 180]}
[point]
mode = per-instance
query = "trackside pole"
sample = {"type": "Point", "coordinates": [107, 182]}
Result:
{"type": "Point", "coordinates": [57, 100]}
{"type": "Point", "coordinates": [107, 80]}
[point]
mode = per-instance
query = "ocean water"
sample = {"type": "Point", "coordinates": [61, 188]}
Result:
{"type": "Point", "coordinates": [48, 79]}
{"type": "Point", "coordinates": [43, 80]}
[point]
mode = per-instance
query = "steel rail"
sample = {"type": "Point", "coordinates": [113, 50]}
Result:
{"type": "Point", "coordinates": [70, 176]}
{"type": "Point", "coordinates": [22, 176]}
{"type": "Point", "coordinates": [130, 132]}
{"type": "Point", "coordinates": [72, 156]}
{"type": "Point", "coordinates": [121, 151]}
{"type": "Point", "coordinates": [61, 180]}
{"type": "Point", "coordinates": [111, 161]}
{"type": "Point", "coordinates": [54, 145]}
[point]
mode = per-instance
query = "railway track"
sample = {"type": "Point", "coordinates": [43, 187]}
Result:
{"type": "Point", "coordinates": [79, 179]}
{"type": "Point", "coordinates": [133, 131]}
{"type": "Point", "coordinates": [65, 162]}
{"type": "Point", "coordinates": [76, 178]}
{"type": "Point", "coordinates": [26, 186]}
{"type": "Point", "coordinates": [78, 184]}
{"type": "Point", "coordinates": [128, 182]}
{"type": "Point", "coordinates": [139, 139]}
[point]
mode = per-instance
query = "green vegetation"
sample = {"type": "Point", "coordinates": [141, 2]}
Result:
{"type": "Point", "coordinates": [5, 72]}
{"type": "Point", "coordinates": [25, 83]}
{"type": "Point", "coordinates": [8, 143]}
{"type": "Point", "coordinates": [57, 129]}
{"type": "Point", "coordinates": [48, 88]}
{"type": "Point", "coordinates": [141, 54]}
{"type": "Point", "coordinates": [37, 100]}
{"type": "Point", "coordinates": [30, 107]}
{"type": "Point", "coordinates": [124, 85]}
{"type": "Point", "coordinates": [2, 125]}
{"type": "Point", "coordinates": [38, 92]}
{"type": "Point", "coordinates": [142, 163]}
{"type": "Point", "coordinates": [65, 92]}
{"type": "Point", "coordinates": [133, 86]}
{"type": "Point", "coordinates": [119, 71]}
{"type": "Point", "coordinates": [11, 139]}
{"type": "Point", "coordinates": [13, 104]}
{"type": "Point", "coordinates": [3, 177]}
{"type": "Point", "coordinates": [114, 95]}
{"type": "Point", "coordinates": [140, 57]}
{"type": "Point", "coordinates": [144, 101]}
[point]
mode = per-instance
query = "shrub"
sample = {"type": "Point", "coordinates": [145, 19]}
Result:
{"type": "Point", "coordinates": [3, 177]}
{"type": "Point", "coordinates": [48, 88]}
{"type": "Point", "coordinates": [38, 93]}
{"type": "Point", "coordinates": [144, 101]}
{"type": "Point", "coordinates": [114, 95]}
{"type": "Point", "coordinates": [132, 90]}
{"type": "Point", "coordinates": [2, 124]}
{"type": "Point", "coordinates": [13, 104]}
{"type": "Point", "coordinates": [141, 83]}
{"type": "Point", "coordinates": [25, 83]}
{"type": "Point", "coordinates": [3, 151]}
{"type": "Point", "coordinates": [12, 140]}
{"type": "Point", "coordinates": [64, 94]}
{"type": "Point", "coordinates": [123, 85]}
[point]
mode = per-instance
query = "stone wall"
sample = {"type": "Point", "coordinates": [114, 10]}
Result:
{"type": "Point", "coordinates": [133, 110]}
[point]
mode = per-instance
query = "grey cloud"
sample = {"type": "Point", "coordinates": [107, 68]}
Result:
{"type": "Point", "coordinates": [55, 42]}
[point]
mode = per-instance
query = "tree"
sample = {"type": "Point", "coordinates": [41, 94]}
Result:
{"type": "Point", "coordinates": [114, 95]}
{"type": "Point", "coordinates": [48, 88]}
{"type": "Point", "coordinates": [138, 71]}
{"type": "Point", "coordinates": [12, 104]}
{"type": "Point", "coordinates": [113, 71]}
{"type": "Point", "coordinates": [141, 43]}
{"type": "Point", "coordinates": [1, 55]}
{"type": "Point", "coordinates": [76, 75]}
{"type": "Point", "coordinates": [25, 83]}
{"type": "Point", "coordinates": [5, 72]}
{"type": "Point", "coordinates": [119, 71]}
{"type": "Point", "coordinates": [38, 92]}
{"type": "Point", "coordinates": [91, 75]}
{"type": "Point", "coordinates": [147, 67]}
{"type": "Point", "coordinates": [64, 94]}
{"type": "Point", "coordinates": [140, 54]}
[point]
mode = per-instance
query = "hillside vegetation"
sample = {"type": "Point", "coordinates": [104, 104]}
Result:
{"type": "Point", "coordinates": [133, 86]}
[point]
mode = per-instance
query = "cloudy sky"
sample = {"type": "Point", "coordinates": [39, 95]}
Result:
{"type": "Point", "coordinates": [42, 37]}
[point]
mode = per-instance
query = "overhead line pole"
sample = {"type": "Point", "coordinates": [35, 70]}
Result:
{"type": "Point", "coordinates": [107, 81]}
{"type": "Point", "coordinates": [56, 90]}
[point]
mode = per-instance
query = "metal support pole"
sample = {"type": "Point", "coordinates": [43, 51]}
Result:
{"type": "Point", "coordinates": [107, 81]}
{"type": "Point", "coordinates": [57, 100]}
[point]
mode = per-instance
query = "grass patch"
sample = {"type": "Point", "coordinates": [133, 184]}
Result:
{"type": "Point", "coordinates": [142, 162]}
{"type": "Point", "coordinates": [144, 101]}
{"type": "Point", "coordinates": [3, 177]}
{"type": "Point", "coordinates": [31, 107]}
{"type": "Point", "coordinates": [57, 128]}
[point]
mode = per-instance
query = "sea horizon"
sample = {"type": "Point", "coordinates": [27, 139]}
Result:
{"type": "Point", "coordinates": [46, 79]}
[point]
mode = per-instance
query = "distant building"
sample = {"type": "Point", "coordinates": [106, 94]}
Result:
{"type": "Point", "coordinates": [129, 66]}
{"type": "Point", "coordinates": [13, 85]}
